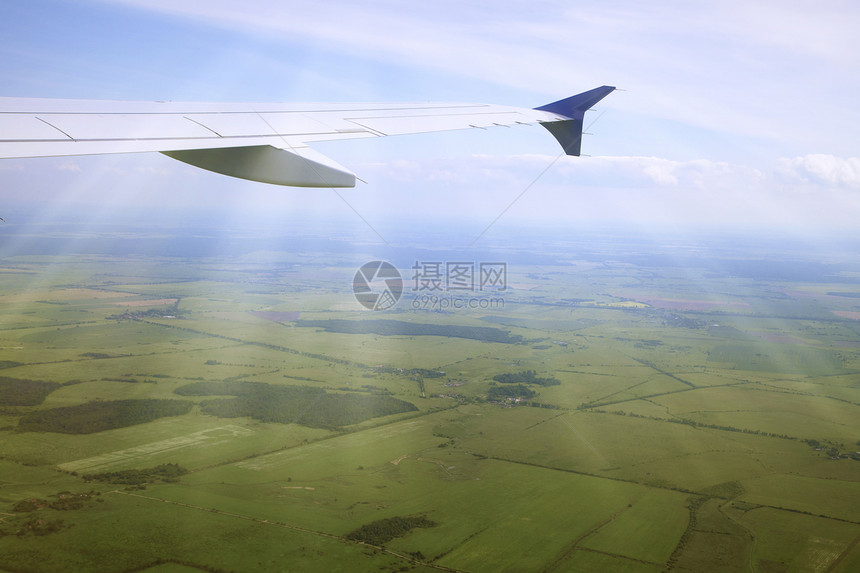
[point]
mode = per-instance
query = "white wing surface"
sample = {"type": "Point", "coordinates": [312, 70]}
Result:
{"type": "Point", "coordinates": [261, 142]}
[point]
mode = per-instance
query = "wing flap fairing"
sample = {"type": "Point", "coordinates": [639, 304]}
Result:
{"type": "Point", "coordinates": [300, 167]}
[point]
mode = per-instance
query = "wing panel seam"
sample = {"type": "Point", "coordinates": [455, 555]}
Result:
{"type": "Point", "coordinates": [206, 127]}
{"type": "Point", "coordinates": [116, 140]}
{"type": "Point", "coordinates": [48, 123]}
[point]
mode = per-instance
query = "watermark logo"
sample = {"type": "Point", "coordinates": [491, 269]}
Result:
{"type": "Point", "coordinates": [438, 286]}
{"type": "Point", "coordinates": [377, 285]}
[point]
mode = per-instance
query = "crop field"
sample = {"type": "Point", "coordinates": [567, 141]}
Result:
{"type": "Point", "coordinates": [184, 414]}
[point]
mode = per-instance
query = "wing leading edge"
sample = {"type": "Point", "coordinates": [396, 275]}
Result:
{"type": "Point", "coordinates": [260, 142]}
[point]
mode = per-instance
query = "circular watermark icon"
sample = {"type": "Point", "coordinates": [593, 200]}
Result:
{"type": "Point", "coordinates": [377, 285]}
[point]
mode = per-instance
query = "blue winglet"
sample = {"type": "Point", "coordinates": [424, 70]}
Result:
{"type": "Point", "coordinates": [569, 132]}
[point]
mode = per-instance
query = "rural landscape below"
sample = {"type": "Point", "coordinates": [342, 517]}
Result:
{"type": "Point", "coordinates": [185, 400]}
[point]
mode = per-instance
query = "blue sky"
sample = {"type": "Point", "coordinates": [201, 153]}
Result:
{"type": "Point", "coordinates": [735, 114]}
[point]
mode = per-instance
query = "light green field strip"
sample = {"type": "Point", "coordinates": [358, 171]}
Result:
{"type": "Point", "coordinates": [207, 438]}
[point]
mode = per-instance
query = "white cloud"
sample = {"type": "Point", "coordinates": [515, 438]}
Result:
{"type": "Point", "coordinates": [636, 190]}
{"type": "Point", "coordinates": [645, 173]}
{"type": "Point", "coordinates": [643, 191]}
{"type": "Point", "coordinates": [69, 166]}
{"type": "Point", "coordinates": [661, 174]}
{"type": "Point", "coordinates": [821, 169]}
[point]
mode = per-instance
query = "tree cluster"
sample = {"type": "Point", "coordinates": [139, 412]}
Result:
{"type": "Point", "coordinates": [303, 405]}
{"type": "Point", "coordinates": [525, 377]}
{"type": "Point", "coordinates": [65, 501]}
{"type": "Point", "coordinates": [425, 373]}
{"type": "Point", "coordinates": [384, 530]}
{"type": "Point", "coordinates": [40, 527]}
{"type": "Point", "coordinates": [171, 311]}
{"type": "Point", "coordinates": [503, 392]}
{"type": "Point", "coordinates": [399, 328]}
{"type": "Point", "coordinates": [100, 416]}
{"type": "Point", "coordinates": [39, 524]}
{"type": "Point", "coordinates": [167, 473]}
{"type": "Point", "coordinates": [17, 392]}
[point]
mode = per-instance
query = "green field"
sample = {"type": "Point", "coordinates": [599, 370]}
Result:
{"type": "Point", "coordinates": [696, 425]}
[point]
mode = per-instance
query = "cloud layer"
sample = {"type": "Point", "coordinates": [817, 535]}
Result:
{"type": "Point", "coordinates": [778, 70]}
{"type": "Point", "coordinates": [822, 170]}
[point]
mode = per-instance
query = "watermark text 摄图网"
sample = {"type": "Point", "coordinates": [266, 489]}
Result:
{"type": "Point", "coordinates": [459, 276]}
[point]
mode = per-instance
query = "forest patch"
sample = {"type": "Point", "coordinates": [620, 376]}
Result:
{"type": "Point", "coordinates": [313, 407]}
{"type": "Point", "coordinates": [16, 392]}
{"type": "Point", "coordinates": [100, 416]}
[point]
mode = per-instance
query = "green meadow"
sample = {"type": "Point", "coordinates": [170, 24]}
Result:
{"type": "Point", "coordinates": [691, 429]}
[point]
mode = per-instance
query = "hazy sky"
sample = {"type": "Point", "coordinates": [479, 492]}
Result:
{"type": "Point", "coordinates": [736, 113]}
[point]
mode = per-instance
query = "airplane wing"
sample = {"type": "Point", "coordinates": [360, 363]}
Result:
{"type": "Point", "coordinates": [260, 142]}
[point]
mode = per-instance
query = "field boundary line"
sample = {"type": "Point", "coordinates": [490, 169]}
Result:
{"type": "Point", "coordinates": [275, 347]}
{"type": "Point", "coordinates": [667, 488]}
{"type": "Point", "coordinates": [586, 474]}
{"type": "Point", "coordinates": [751, 550]}
{"type": "Point", "coordinates": [291, 527]}
{"type": "Point", "coordinates": [572, 546]}
{"type": "Point", "coordinates": [627, 389]}
{"type": "Point", "coordinates": [659, 370]}
{"type": "Point", "coordinates": [695, 424]}
{"type": "Point", "coordinates": [585, 406]}
{"type": "Point", "coordinates": [843, 555]}
{"type": "Point", "coordinates": [565, 411]}
{"type": "Point", "coordinates": [800, 511]}
{"type": "Point", "coordinates": [619, 556]}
